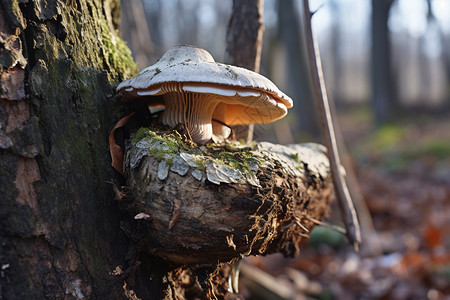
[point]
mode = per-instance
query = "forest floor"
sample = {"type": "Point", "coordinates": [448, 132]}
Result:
{"type": "Point", "coordinates": [404, 175]}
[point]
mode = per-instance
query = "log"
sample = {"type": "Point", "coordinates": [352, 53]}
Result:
{"type": "Point", "coordinates": [197, 208]}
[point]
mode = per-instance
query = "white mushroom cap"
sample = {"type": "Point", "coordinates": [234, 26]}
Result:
{"type": "Point", "coordinates": [196, 89]}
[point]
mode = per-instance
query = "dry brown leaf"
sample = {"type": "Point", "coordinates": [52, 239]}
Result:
{"type": "Point", "coordinates": [433, 237]}
{"type": "Point", "coordinates": [411, 263]}
{"type": "Point", "coordinates": [114, 149]}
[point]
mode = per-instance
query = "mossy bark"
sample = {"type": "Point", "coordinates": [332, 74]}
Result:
{"type": "Point", "coordinates": [59, 229]}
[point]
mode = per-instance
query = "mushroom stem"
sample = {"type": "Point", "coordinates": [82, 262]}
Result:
{"type": "Point", "coordinates": [194, 110]}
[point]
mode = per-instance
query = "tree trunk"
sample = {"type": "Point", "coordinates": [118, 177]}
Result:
{"type": "Point", "coordinates": [136, 32]}
{"type": "Point", "coordinates": [244, 45]}
{"type": "Point", "coordinates": [382, 96]}
{"type": "Point", "coordinates": [60, 234]}
{"type": "Point", "coordinates": [299, 82]}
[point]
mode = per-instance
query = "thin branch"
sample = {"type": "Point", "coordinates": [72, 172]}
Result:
{"type": "Point", "coordinates": [312, 13]}
{"type": "Point", "coordinates": [342, 193]}
{"type": "Point", "coordinates": [328, 225]}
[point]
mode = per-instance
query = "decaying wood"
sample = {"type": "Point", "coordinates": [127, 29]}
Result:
{"type": "Point", "coordinates": [214, 204]}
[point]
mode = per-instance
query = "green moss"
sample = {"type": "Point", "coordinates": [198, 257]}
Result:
{"type": "Point", "coordinates": [140, 134]}
{"type": "Point", "coordinates": [201, 164]}
{"type": "Point", "coordinates": [234, 157]}
{"type": "Point", "coordinates": [387, 136]}
{"type": "Point", "coordinates": [117, 52]}
{"type": "Point", "coordinates": [172, 144]}
{"type": "Point", "coordinates": [123, 60]}
{"type": "Point", "coordinates": [228, 159]}
{"type": "Point", "coordinates": [295, 157]}
{"type": "Point", "coordinates": [169, 162]}
{"type": "Point", "coordinates": [228, 154]}
{"type": "Point", "coordinates": [157, 154]}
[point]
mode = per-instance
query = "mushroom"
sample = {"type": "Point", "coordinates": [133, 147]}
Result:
{"type": "Point", "coordinates": [199, 93]}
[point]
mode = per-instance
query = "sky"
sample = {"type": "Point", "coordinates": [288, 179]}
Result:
{"type": "Point", "coordinates": [411, 35]}
{"type": "Point", "coordinates": [407, 15]}
{"type": "Point", "coordinates": [354, 15]}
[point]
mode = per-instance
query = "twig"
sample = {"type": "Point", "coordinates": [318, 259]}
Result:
{"type": "Point", "coordinates": [328, 225]}
{"type": "Point", "coordinates": [262, 284]}
{"type": "Point", "coordinates": [342, 194]}
{"type": "Point", "coordinates": [298, 221]}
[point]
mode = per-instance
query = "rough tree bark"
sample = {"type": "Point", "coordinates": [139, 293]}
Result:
{"type": "Point", "coordinates": [59, 232]}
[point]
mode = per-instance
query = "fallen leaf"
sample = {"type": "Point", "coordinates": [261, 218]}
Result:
{"type": "Point", "coordinates": [114, 149]}
{"type": "Point", "coordinates": [411, 263]}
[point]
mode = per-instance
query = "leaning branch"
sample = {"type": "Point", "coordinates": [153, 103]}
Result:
{"type": "Point", "coordinates": [342, 193]}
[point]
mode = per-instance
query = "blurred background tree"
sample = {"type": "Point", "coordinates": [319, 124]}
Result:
{"type": "Point", "coordinates": [388, 56]}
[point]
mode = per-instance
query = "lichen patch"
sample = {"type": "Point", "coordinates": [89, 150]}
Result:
{"type": "Point", "coordinates": [218, 163]}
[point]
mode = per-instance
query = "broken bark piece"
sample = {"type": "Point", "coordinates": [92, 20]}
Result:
{"type": "Point", "coordinates": [261, 197]}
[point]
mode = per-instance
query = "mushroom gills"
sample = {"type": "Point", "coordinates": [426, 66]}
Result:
{"type": "Point", "coordinates": [196, 105]}
{"type": "Point", "coordinates": [194, 110]}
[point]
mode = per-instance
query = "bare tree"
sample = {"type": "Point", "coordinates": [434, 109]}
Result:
{"type": "Point", "coordinates": [382, 96]}
{"type": "Point", "coordinates": [244, 44]}
{"type": "Point", "coordinates": [136, 31]}
{"type": "Point", "coordinates": [299, 84]}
